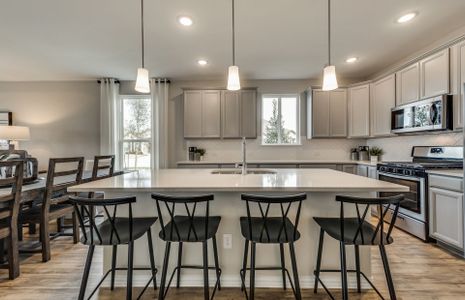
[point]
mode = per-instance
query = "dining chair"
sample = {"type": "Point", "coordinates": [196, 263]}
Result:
{"type": "Point", "coordinates": [62, 173]}
{"type": "Point", "coordinates": [10, 203]}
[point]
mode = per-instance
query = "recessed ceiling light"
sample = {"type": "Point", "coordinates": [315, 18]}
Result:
{"type": "Point", "coordinates": [351, 60]}
{"type": "Point", "coordinates": [185, 21]}
{"type": "Point", "coordinates": [406, 18]}
{"type": "Point", "coordinates": [202, 62]}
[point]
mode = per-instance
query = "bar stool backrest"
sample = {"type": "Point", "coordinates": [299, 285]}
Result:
{"type": "Point", "coordinates": [190, 204]}
{"type": "Point", "coordinates": [103, 166]}
{"type": "Point", "coordinates": [11, 202]}
{"type": "Point", "coordinates": [384, 205]}
{"type": "Point", "coordinates": [93, 233]}
{"type": "Point", "coordinates": [264, 204]}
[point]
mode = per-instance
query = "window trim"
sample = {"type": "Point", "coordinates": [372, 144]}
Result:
{"type": "Point", "coordinates": [120, 133]}
{"type": "Point", "coordinates": [298, 130]}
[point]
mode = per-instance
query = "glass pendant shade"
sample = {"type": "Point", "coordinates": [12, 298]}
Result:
{"type": "Point", "coordinates": [329, 78]}
{"type": "Point", "coordinates": [234, 83]}
{"type": "Point", "coordinates": [142, 81]}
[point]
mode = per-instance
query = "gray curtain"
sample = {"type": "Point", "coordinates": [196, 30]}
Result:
{"type": "Point", "coordinates": [160, 95]}
{"type": "Point", "coordinates": [109, 94]}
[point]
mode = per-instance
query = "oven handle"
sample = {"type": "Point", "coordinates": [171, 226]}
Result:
{"type": "Point", "coordinates": [401, 177]}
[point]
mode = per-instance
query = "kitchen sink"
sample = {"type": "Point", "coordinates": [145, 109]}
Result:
{"type": "Point", "coordinates": [238, 171]}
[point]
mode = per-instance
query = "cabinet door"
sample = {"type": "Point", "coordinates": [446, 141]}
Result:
{"type": "Point", "coordinates": [338, 113]}
{"type": "Point", "coordinates": [231, 114]}
{"type": "Point", "coordinates": [434, 74]}
{"type": "Point", "coordinates": [211, 114]}
{"type": "Point", "coordinates": [192, 114]}
{"type": "Point", "coordinates": [248, 113]}
{"type": "Point", "coordinates": [372, 172]}
{"type": "Point", "coordinates": [320, 114]}
{"type": "Point", "coordinates": [446, 216]}
{"type": "Point", "coordinates": [362, 170]}
{"type": "Point", "coordinates": [352, 169]}
{"type": "Point", "coordinates": [383, 99]}
{"type": "Point", "coordinates": [408, 84]}
{"type": "Point", "coordinates": [457, 71]}
{"type": "Point", "coordinates": [359, 112]}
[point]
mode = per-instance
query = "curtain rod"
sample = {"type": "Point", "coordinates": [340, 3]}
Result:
{"type": "Point", "coordinates": [157, 80]}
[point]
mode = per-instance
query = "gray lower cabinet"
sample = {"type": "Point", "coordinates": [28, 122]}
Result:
{"type": "Point", "coordinates": [367, 171]}
{"type": "Point", "coordinates": [202, 114]}
{"type": "Point", "coordinates": [446, 210]}
{"type": "Point", "coordinates": [372, 172]}
{"type": "Point", "coordinates": [239, 114]}
{"type": "Point", "coordinates": [319, 166]}
{"type": "Point", "coordinates": [352, 169]}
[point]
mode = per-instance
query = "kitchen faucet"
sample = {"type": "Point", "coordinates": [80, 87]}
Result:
{"type": "Point", "coordinates": [244, 158]}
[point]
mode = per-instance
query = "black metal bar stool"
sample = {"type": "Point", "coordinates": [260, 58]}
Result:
{"type": "Point", "coordinates": [266, 229]}
{"type": "Point", "coordinates": [189, 228]}
{"type": "Point", "coordinates": [113, 231]}
{"type": "Point", "coordinates": [358, 232]}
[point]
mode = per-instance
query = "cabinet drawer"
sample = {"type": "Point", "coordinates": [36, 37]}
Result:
{"type": "Point", "coordinates": [318, 166]}
{"type": "Point", "coordinates": [446, 182]}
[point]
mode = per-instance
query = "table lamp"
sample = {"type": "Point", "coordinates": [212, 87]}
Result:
{"type": "Point", "coordinates": [14, 133]}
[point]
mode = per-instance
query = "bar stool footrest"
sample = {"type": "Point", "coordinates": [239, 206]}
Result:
{"type": "Point", "coordinates": [265, 269]}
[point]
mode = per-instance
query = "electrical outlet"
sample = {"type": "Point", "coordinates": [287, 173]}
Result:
{"type": "Point", "coordinates": [227, 241]}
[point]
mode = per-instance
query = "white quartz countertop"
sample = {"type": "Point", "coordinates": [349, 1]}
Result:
{"type": "Point", "coordinates": [452, 172]}
{"type": "Point", "coordinates": [202, 180]}
{"type": "Point", "coordinates": [278, 162]}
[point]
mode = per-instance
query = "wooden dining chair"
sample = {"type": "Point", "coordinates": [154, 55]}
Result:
{"type": "Point", "coordinates": [62, 173]}
{"type": "Point", "coordinates": [9, 212]}
{"type": "Point", "coordinates": [104, 166]}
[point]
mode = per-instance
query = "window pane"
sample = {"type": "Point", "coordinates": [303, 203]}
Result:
{"type": "Point", "coordinates": [136, 155]}
{"type": "Point", "coordinates": [289, 120]}
{"type": "Point", "coordinates": [270, 120]}
{"type": "Point", "coordinates": [137, 115]}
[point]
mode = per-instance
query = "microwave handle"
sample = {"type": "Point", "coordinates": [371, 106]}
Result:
{"type": "Point", "coordinates": [433, 113]}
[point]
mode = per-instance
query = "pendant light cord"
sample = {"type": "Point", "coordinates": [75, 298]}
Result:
{"type": "Point", "coordinates": [142, 30]}
{"type": "Point", "coordinates": [233, 37]}
{"type": "Point", "coordinates": [329, 32]}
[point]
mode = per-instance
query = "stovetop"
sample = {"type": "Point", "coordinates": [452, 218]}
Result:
{"type": "Point", "coordinates": [424, 165]}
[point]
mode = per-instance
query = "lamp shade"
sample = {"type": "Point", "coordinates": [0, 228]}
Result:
{"type": "Point", "coordinates": [142, 81]}
{"type": "Point", "coordinates": [234, 83]}
{"type": "Point", "coordinates": [329, 78]}
{"type": "Point", "coordinates": [14, 133]}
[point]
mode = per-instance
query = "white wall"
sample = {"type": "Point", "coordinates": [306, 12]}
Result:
{"type": "Point", "coordinates": [230, 149]}
{"type": "Point", "coordinates": [63, 117]}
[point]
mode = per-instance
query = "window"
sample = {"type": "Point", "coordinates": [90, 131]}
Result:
{"type": "Point", "coordinates": [135, 132]}
{"type": "Point", "coordinates": [280, 120]}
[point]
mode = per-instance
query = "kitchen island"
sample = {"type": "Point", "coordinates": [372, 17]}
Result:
{"type": "Point", "coordinates": [321, 186]}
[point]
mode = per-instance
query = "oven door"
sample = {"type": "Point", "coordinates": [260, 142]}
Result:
{"type": "Point", "coordinates": [414, 203]}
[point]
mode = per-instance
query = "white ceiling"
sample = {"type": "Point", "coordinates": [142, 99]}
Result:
{"type": "Point", "coordinates": [276, 39]}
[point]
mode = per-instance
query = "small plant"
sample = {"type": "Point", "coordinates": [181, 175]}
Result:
{"type": "Point", "coordinates": [376, 151]}
{"type": "Point", "coordinates": [201, 151]}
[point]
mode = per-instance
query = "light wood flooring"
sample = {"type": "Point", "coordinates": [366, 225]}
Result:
{"type": "Point", "coordinates": [420, 271]}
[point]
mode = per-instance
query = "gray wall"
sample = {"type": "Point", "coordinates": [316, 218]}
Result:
{"type": "Point", "coordinates": [63, 117]}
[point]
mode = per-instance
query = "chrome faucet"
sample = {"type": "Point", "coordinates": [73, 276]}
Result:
{"type": "Point", "coordinates": [243, 165]}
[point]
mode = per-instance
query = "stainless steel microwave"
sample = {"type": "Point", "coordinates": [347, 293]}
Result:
{"type": "Point", "coordinates": [426, 115]}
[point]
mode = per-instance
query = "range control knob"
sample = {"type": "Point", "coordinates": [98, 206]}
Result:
{"type": "Point", "coordinates": [408, 172]}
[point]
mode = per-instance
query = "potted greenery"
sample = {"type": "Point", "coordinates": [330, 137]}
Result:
{"type": "Point", "coordinates": [200, 153]}
{"type": "Point", "coordinates": [375, 154]}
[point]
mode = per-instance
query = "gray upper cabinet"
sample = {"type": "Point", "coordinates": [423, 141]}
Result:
{"type": "Point", "coordinates": [382, 100]}
{"type": "Point", "coordinates": [408, 84]}
{"type": "Point", "coordinates": [329, 113]}
{"type": "Point", "coordinates": [239, 114]}
{"type": "Point", "coordinates": [202, 114]}
{"type": "Point", "coordinates": [457, 73]}
{"type": "Point", "coordinates": [434, 74]}
{"type": "Point", "coordinates": [359, 112]}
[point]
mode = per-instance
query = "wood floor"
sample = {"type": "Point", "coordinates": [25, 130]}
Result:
{"type": "Point", "coordinates": [420, 271]}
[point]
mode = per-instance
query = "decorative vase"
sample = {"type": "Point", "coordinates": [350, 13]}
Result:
{"type": "Point", "coordinates": [374, 159]}
{"type": "Point", "coordinates": [197, 156]}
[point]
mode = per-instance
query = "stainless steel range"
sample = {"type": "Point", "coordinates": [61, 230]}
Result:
{"type": "Point", "coordinates": [413, 216]}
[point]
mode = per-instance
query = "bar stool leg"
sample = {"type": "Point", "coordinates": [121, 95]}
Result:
{"type": "Point", "coordinates": [283, 264]}
{"type": "Point", "coordinates": [244, 263]}
{"type": "Point", "coordinates": [130, 269]}
{"type": "Point", "coordinates": [85, 275]}
{"type": "Point", "coordinates": [152, 258]}
{"type": "Point", "coordinates": [205, 271]}
{"type": "Point", "coordinates": [113, 266]}
{"type": "Point", "coordinates": [357, 268]}
{"type": "Point", "coordinates": [217, 265]}
{"type": "Point", "coordinates": [178, 275]}
{"type": "Point", "coordinates": [345, 292]}
{"type": "Point", "coordinates": [252, 271]}
{"type": "Point", "coordinates": [387, 272]}
{"type": "Point", "coordinates": [295, 272]}
{"type": "Point", "coordinates": [161, 293]}
{"type": "Point", "coordinates": [318, 260]}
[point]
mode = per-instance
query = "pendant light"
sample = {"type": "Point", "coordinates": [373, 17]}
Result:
{"type": "Point", "coordinates": [329, 72]}
{"type": "Point", "coordinates": [234, 83]}
{"type": "Point", "coordinates": [142, 81]}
